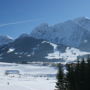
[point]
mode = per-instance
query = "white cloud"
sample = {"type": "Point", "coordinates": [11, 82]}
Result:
{"type": "Point", "coordinates": [18, 22]}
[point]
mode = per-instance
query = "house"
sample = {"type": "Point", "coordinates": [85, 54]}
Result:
{"type": "Point", "coordinates": [12, 72]}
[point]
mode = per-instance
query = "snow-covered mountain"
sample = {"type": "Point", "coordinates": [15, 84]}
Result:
{"type": "Point", "coordinates": [29, 49]}
{"type": "Point", "coordinates": [74, 33]}
{"type": "Point", "coordinates": [62, 42]}
{"type": "Point", "coordinates": [83, 22]}
{"type": "Point", "coordinates": [26, 48]}
{"type": "Point", "coordinates": [5, 39]}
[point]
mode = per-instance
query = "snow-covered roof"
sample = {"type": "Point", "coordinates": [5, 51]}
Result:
{"type": "Point", "coordinates": [12, 72]}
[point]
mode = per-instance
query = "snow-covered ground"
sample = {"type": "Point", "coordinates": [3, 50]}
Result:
{"type": "Point", "coordinates": [33, 77]}
{"type": "Point", "coordinates": [69, 55]}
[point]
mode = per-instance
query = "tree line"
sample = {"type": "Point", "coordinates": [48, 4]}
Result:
{"type": "Point", "coordinates": [76, 77]}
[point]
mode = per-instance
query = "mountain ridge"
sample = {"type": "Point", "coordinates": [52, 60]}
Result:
{"type": "Point", "coordinates": [68, 33]}
{"type": "Point", "coordinates": [5, 39]}
{"type": "Point", "coordinates": [63, 42]}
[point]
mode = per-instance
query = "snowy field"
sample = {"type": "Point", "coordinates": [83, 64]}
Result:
{"type": "Point", "coordinates": [32, 77]}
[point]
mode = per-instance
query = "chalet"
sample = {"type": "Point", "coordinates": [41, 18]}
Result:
{"type": "Point", "coordinates": [12, 72]}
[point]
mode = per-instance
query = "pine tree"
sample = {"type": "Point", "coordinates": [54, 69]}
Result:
{"type": "Point", "coordinates": [88, 75]}
{"type": "Point", "coordinates": [70, 77]}
{"type": "Point", "coordinates": [60, 78]}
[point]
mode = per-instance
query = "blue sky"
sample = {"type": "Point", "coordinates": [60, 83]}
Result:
{"type": "Point", "coordinates": [38, 11]}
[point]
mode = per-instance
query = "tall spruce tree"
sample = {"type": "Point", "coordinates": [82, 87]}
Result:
{"type": "Point", "coordinates": [60, 78]}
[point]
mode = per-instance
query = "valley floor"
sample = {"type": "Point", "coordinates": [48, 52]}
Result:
{"type": "Point", "coordinates": [33, 77]}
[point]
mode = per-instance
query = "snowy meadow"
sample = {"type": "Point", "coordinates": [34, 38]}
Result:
{"type": "Point", "coordinates": [31, 77]}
